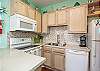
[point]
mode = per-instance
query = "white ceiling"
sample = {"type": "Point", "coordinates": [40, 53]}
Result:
{"type": "Point", "coordinates": [46, 2]}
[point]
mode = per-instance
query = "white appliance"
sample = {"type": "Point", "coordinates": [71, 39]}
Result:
{"type": "Point", "coordinates": [94, 44]}
{"type": "Point", "coordinates": [76, 60]}
{"type": "Point", "coordinates": [22, 23]}
{"type": "Point", "coordinates": [24, 45]}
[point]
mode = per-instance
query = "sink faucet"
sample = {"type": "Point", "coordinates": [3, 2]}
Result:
{"type": "Point", "coordinates": [58, 39]}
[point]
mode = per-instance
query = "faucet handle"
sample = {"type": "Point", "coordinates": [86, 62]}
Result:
{"type": "Point", "coordinates": [64, 44]}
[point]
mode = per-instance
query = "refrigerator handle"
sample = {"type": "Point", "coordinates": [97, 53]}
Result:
{"type": "Point", "coordinates": [95, 51]}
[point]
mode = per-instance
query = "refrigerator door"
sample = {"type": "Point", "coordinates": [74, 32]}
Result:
{"type": "Point", "coordinates": [97, 65]}
{"type": "Point", "coordinates": [95, 56]}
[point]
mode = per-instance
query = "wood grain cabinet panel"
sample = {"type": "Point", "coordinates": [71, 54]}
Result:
{"type": "Point", "coordinates": [38, 19]}
{"type": "Point", "coordinates": [39, 69]}
{"type": "Point", "coordinates": [78, 19]}
{"type": "Point", "coordinates": [55, 57]}
{"type": "Point", "coordinates": [31, 13]}
{"type": "Point", "coordinates": [47, 55]}
{"type": "Point", "coordinates": [58, 58]}
{"type": "Point", "coordinates": [61, 17]}
{"type": "Point", "coordinates": [44, 23]}
{"type": "Point", "coordinates": [18, 7]}
{"type": "Point", "coordinates": [59, 61]}
{"type": "Point", "coordinates": [52, 19]}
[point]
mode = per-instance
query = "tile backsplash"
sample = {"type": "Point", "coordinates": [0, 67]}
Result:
{"type": "Point", "coordinates": [64, 36]}
{"type": "Point", "coordinates": [20, 34]}
{"type": "Point", "coordinates": [36, 38]}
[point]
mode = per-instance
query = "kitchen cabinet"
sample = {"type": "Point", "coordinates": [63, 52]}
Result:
{"type": "Point", "coordinates": [39, 69]}
{"type": "Point", "coordinates": [18, 7]}
{"type": "Point", "coordinates": [38, 19]}
{"type": "Point", "coordinates": [61, 17]}
{"type": "Point", "coordinates": [55, 57]}
{"type": "Point", "coordinates": [31, 13]}
{"type": "Point", "coordinates": [44, 22]}
{"type": "Point", "coordinates": [58, 61]}
{"type": "Point", "coordinates": [47, 55]}
{"type": "Point", "coordinates": [58, 58]}
{"type": "Point", "coordinates": [78, 19]}
{"type": "Point", "coordinates": [52, 19]}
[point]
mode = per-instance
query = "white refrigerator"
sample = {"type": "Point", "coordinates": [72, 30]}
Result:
{"type": "Point", "coordinates": [94, 44]}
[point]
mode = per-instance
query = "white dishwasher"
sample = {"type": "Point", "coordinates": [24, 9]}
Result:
{"type": "Point", "coordinates": [76, 60]}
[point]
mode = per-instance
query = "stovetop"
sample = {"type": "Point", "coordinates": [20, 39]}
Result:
{"type": "Point", "coordinates": [27, 47]}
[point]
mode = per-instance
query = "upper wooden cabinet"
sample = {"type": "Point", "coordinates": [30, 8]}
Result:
{"type": "Point", "coordinates": [38, 19]}
{"type": "Point", "coordinates": [58, 18]}
{"type": "Point", "coordinates": [52, 19]}
{"type": "Point", "coordinates": [31, 13]}
{"type": "Point", "coordinates": [61, 17]}
{"type": "Point", "coordinates": [44, 22]}
{"type": "Point", "coordinates": [78, 19]}
{"type": "Point", "coordinates": [18, 7]}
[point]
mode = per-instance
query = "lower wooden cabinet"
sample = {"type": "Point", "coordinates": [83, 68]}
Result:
{"type": "Point", "coordinates": [59, 61]}
{"type": "Point", "coordinates": [55, 58]}
{"type": "Point", "coordinates": [47, 55]}
{"type": "Point", "coordinates": [39, 69]}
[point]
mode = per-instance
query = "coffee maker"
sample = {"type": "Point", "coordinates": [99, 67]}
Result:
{"type": "Point", "coordinates": [83, 41]}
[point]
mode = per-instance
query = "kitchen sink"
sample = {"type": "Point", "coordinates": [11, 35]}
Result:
{"type": "Point", "coordinates": [56, 44]}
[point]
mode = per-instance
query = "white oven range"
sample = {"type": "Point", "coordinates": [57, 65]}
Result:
{"type": "Point", "coordinates": [25, 45]}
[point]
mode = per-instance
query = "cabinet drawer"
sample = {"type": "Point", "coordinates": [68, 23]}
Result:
{"type": "Point", "coordinates": [58, 50]}
{"type": "Point", "coordinates": [47, 48]}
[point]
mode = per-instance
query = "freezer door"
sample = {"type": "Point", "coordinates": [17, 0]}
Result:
{"type": "Point", "coordinates": [95, 59]}
{"type": "Point", "coordinates": [95, 30]}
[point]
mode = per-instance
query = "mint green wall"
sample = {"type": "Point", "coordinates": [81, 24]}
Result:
{"type": "Point", "coordinates": [6, 24]}
{"type": "Point", "coordinates": [67, 3]}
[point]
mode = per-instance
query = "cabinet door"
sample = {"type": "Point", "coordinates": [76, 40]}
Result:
{"type": "Point", "coordinates": [44, 22]}
{"type": "Point", "coordinates": [61, 17]}
{"type": "Point", "coordinates": [78, 19]}
{"type": "Point", "coordinates": [52, 19]}
{"type": "Point", "coordinates": [31, 13]}
{"type": "Point", "coordinates": [59, 60]}
{"type": "Point", "coordinates": [38, 69]}
{"type": "Point", "coordinates": [38, 19]}
{"type": "Point", "coordinates": [47, 55]}
{"type": "Point", "coordinates": [20, 8]}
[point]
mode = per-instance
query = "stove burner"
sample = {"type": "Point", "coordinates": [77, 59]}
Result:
{"type": "Point", "coordinates": [26, 47]}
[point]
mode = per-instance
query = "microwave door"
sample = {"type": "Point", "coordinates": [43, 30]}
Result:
{"type": "Point", "coordinates": [26, 26]}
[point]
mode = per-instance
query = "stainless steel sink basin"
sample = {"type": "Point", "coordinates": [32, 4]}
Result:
{"type": "Point", "coordinates": [56, 44]}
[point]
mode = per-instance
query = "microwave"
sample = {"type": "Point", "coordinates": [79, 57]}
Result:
{"type": "Point", "coordinates": [22, 23]}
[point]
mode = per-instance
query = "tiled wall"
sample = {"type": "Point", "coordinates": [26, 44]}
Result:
{"type": "Point", "coordinates": [64, 36]}
{"type": "Point", "coordinates": [20, 34]}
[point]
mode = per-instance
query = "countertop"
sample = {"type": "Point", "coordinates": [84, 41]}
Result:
{"type": "Point", "coordinates": [71, 46]}
{"type": "Point", "coordinates": [14, 60]}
